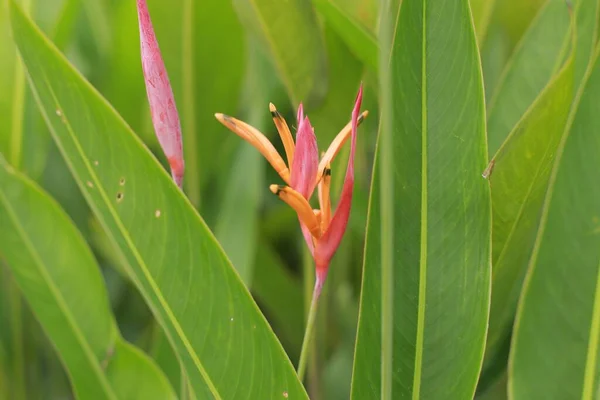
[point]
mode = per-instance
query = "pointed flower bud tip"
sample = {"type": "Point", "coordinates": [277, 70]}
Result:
{"type": "Point", "coordinates": [165, 118]}
{"type": "Point", "coordinates": [332, 237]}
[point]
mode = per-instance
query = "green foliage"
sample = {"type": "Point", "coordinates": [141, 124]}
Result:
{"type": "Point", "coordinates": [441, 214]}
{"type": "Point", "coordinates": [562, 281]}
{"type": "Point", "coordinates": [447, 284]}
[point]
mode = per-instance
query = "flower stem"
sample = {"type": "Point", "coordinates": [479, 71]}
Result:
{"type": "Point", "coordinates": [312, 314]}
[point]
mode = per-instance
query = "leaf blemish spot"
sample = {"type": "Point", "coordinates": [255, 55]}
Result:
{"type": "Point", "coordinates": [96, 163]}
{"type": "Point", "coordinates": [231, 319]}
{"type": "Point", "coordinates": [489, 169]}
{"type": "Point", "coordinates": [122, 182]}
{"type": "Point", "coordinates": [59, 113]}
{"type": "Point", "coordinates": [90, 184]}
{"type": "Point", "coordinates": [285, 394]}
{"type": "Point", "coordinates": [120, 196]}
{"type": "Point", "coordinates": [157, 213]}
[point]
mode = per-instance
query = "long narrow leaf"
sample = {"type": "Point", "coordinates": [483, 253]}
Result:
{"type": "Point", "coordinates": [289, 31]}
{"type": "Point", "coordinates": [531, 67]}
{"type": "Point", "coordinates": [519, 178]}
{"type": "Point", "coordinates": [557, 330]}
{"type": "Point", "coordinates": [441, 212]}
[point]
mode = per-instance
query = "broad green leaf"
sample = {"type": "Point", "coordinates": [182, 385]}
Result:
{"type": "Point", "coordinates": [61, 281]}
{"type": "Point", "coordinates": [519, 177]}
{"type": "Point", "coordinates": [554, 351]}
{"type": "Point", "coordinates": [531, 67]}
{"type": "Point", "coordinates": [290, 33]}
{"type": "Point", "coordinates": [358, 38]}
{"type": "Point", "coordinates": [224, 343]}
{"type": "Point", "coordinates": [439, 223]}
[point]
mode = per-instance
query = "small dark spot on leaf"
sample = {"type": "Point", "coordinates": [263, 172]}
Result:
{"type": "Point", "coordinates": [122, 181]}
{"type": "Point", "coordinates": [120, 196]}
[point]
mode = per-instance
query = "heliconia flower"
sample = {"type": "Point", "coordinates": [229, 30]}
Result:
{"type": "Point", "coordinates": [303, 173]}
{"type": "Point", "coordinates": [160, 96]}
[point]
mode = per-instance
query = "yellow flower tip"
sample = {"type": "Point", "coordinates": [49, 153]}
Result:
{"type": "Point", "coordinates": [226, 120]}
{"type": "Point", "coordinates": [362, 116]}
{"type": "Point", "coordinates": [275, 189]}
{"type": "Point", "coordinates": [272, 107]}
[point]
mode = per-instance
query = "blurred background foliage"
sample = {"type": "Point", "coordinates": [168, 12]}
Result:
{"type": "Point", "coordinates": [236, 57]}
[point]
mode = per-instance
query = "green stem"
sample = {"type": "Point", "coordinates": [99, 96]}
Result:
{"type": "Point", "coordinates": [312, 313]}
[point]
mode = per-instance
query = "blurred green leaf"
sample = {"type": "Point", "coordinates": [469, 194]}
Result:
{"type": "Point", "coordinates": [429, 217]}
{"type": "Point", "coordinates": [516, 16]}
{"type": "Point", "coordinates": [237, 224]}
{"type": "Point", "coordinates": [587, 14]}
{"type": "Point", "coordinates": [60, 279]}
{"type": "Point", "coordinates": [180, 269]}
{"type": "Point", "coordinates": [494, 57]}
{"type": "Point", "coordinates": [165, 357]}
{"type": "Point", "coordinates": [290, 32]}
{"type": "Point", "coordinates": [482, 13]}
{"type": "Point", "coordinates": [334, 112]}
{"type": "Point", "coordinates": [555, 342]}
{"type": "Point", "coordinates": [519, 177]}
{"type": "Point", "coordinates": [497, 391]}
{"type": "Point", "coordinates": [280, 295]}
{"type": "Point", "coordinates": [534, 62]}
{"type": "Point", "coordinates": [361, 42]}
{"type": "Point", "coordinates": [237, 227]}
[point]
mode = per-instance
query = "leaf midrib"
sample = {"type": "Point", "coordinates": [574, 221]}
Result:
{"type": "Point", "coordinates": [592, 351]}
{"type": "Point", "coordinates": [424, 178]}
{"type": "Point", "coordinates": [89, 354]}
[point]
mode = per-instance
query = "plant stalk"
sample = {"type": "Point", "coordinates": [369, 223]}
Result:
{"type": "Point", "coordinates": [312, 314]}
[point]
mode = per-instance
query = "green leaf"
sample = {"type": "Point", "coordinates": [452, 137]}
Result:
{"type": "Point", "coordinates": [531, 67]}
{"type": "Point", "coordinates": [237, 225]}
{"type": "Point", "coordinates": [61, 281]}
{"type": "Point", "coordinates": [357, 37]}
{"type": "Point", "coordinates": [289, 31]}
{"type": "Point", "coordinates": [587, 15]}
{"type": "Point", "coordinates": [222, 340]}
{"type": "Point", "coordinates": [515, 16]}
{"type": "Point", "coordinates": [164, 356]}
{"type": "Point", "coordinates": [519, 178]}
{"type": "Point", "coordinates": [439, 250]}
{"type": "Point", "coordinates": [482, 13]}
{"type": "Point", "coordinates": [497, 391]}
{"type": "Point", "coordinates": [555, 341]}
{"type": "Point", "coordinates": [334, 111]}
{"type": "Point", "coordinates": [272, 282]}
